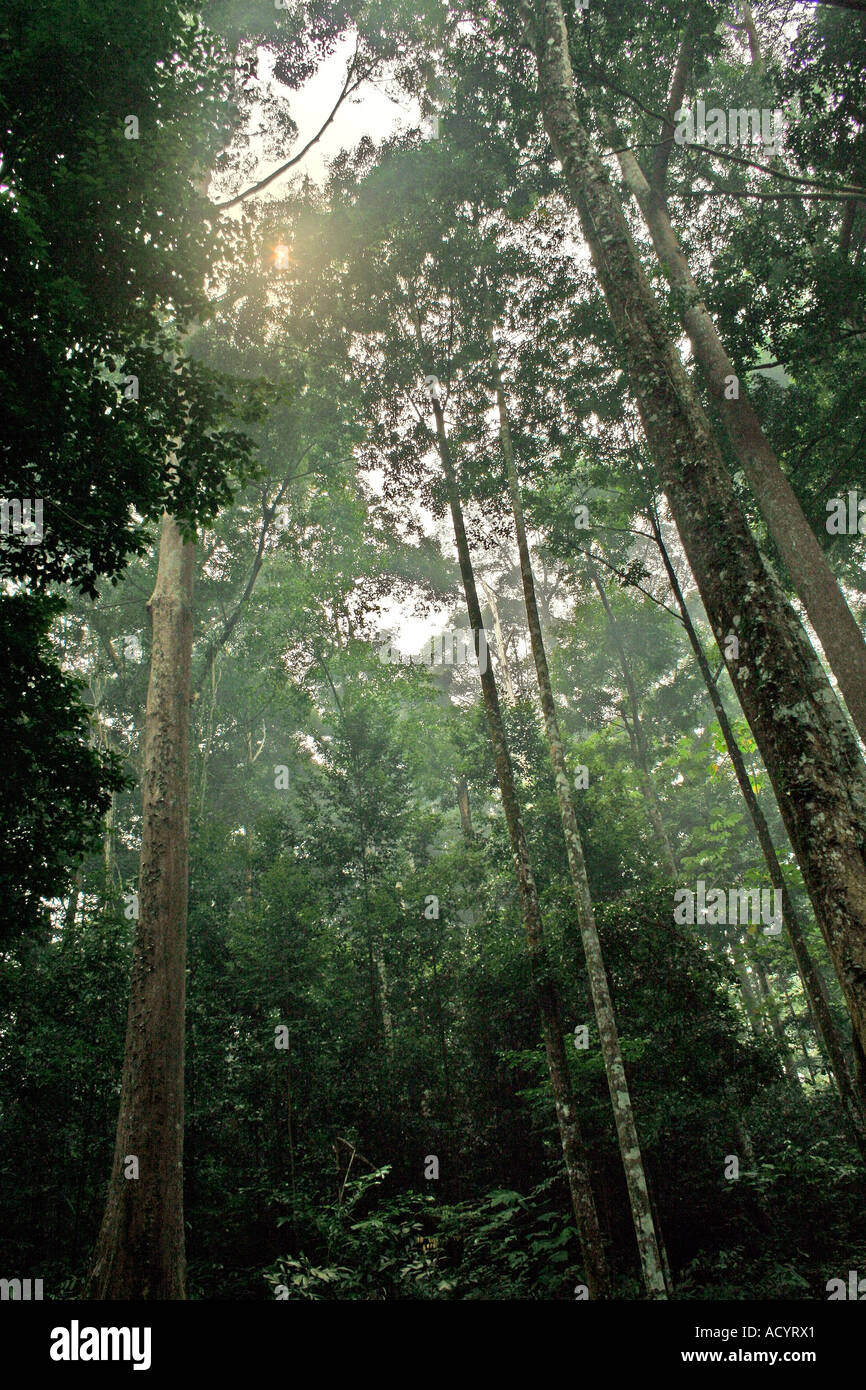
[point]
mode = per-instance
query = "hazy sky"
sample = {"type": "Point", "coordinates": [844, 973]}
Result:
{"type": "Point", "coordinates": [375, 113]}
{"type": "Point", "coordinates": [370, 112]}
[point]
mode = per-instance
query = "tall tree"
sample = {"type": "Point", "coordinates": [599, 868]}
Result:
{"type": "Point", "coordinates": [835, 625]}
{"type": "Point", "coordinates": [627, 1135]}
{"type": "Point", "coordinates": [585, 1212]}
{"type": "Point", "coordinates": [140, 1251]}
{"type": "Point", "coordinates": [804, 739]}
{"type": "Point", "coordinates": [852, 1098]}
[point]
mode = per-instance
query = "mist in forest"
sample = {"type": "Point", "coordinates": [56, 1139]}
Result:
{"type": "Point", "coordinates": [432, 523]}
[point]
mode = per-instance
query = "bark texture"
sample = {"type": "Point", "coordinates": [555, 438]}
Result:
{"type": "Point", "coordinates": [501, 649]}
{"type": "Point", "coordinates": [853, 1101]}
{"type": "Point", "coordinates": [805, 740]}
{"type": "Point", "coordinates": [140, 1250]}
{"type": "Point", "coordinates": [810, 571]}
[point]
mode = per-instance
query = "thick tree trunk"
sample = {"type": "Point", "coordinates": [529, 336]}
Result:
{"type": "Point", "coordinates": [636, 735]}
{"type": "Point", "coordinates": [577, 1168]}
{"type": "Point", "coordinates": [629, 1145]}
{"type": "Point", "coordinates": [853, 1100]}
{"type": "Point", "coordinates": [805, 561]}
{"type": "Point", "coordinates": [140, 1252]}
{"type": "Point", "coordinates": [807, 746]}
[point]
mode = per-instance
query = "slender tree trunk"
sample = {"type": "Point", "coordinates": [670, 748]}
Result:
{"type": "Point", "coordinates": [209, 736]}
{"type": "Point", "coordinates": [769, 991]}
{"type": "Point", "coordinates": [74, 899]}
{"type": "Point", "coordinates": [802, 1037]}
{"type": "Point", "coordinates": [576, 1164]}
{"type": "Point", "coordinates": [662, 153]}
{"type": "Point", "coordinates": [500, 642]}
{"type": "Point", "coordinates": [770, 1011]}
{"type": "Point", "coordinates": [636, 735]}
{"type": "Point", "coordinates": [384, 1003]}
{"type": "Point", "coordinates": [629, 1144]}
{"type": "Point", "coordinates": [465, 811]}
{"type": "Point", "coordinates": [380, 1010]}
{"type": "Point", "coordinates": [753, 1008]}
{"type": "Point", "coordinates": [443, 1041]}
{"type": "Point", "coordinates": [752, 35]}
{"type": "Point", "coordinates": [140, 1251]}
{"type": "Point", "coordinates": [835, 625]}
{"type": "Point", "coordinates": [852, 1097]}
{"type": "Point", "coordinates": [290, 1135]}
{"type": "Point", "coordinates": [804, 738]}
{"type": "Point", "coordinates": [108, 845]}
{"type": "Point", "coordinates": [741, 1130]}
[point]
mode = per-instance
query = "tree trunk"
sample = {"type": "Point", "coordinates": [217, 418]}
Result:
{"type": "Point", "coordinates": [140, 1250]}
{"type": "Point", "coordinates": [662, 153]}
{"type": "Point", "coordinates": [108, 846]}
{"type": "Point", "coordinates": [800, 1024]}
{"type": "Point", "coordinates": [636, 735]}
{"type": "Point", "coordinates": [465, 811]}
{"type": "Point", "coordinates": [769, 991]}
{"type": "Point", "coordinates": [74, 899]}
{"type": "Point", "coordinates": [804, 738]}
{"type": "Point", "coordinates": [443, 1039]}
{"type": "Point", "coordinates": [805, 561]}
{"type": "Point", "coordinates": [500, 642]}
{"type": "Point", "coordinates": [852, 1098]}
{"type": "Point", "coordinates": [752, 34]}
{"type": "Point", "coordinates": [629, 1144]}
{"type": "Point", "coordinates": [753, 1008]}
{"type": "Point", "coordinates": [740, 1128]}
{"type": "Point", "coordinates": [577, 1168]}
{"type": "Point", "coordinates": [770, 1011]}
{"type": "Point", "coordinates": [384, 1002]}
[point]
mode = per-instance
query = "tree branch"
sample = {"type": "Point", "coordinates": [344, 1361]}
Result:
{"type": "Point", "coordinates": [843, 190]}
{"type": "Point", "coordinates": [661, 157]}
{"type": "Point", "coordinates": [763, 197]}
{"type": "Point", "coordinates": [632, 583]}
{"type": "Point", "coordinates": [349, 86]}
{"type": "Point", "coordinates": [229, 623]}
{"type": "Point", "coordinates": [840, 4]}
